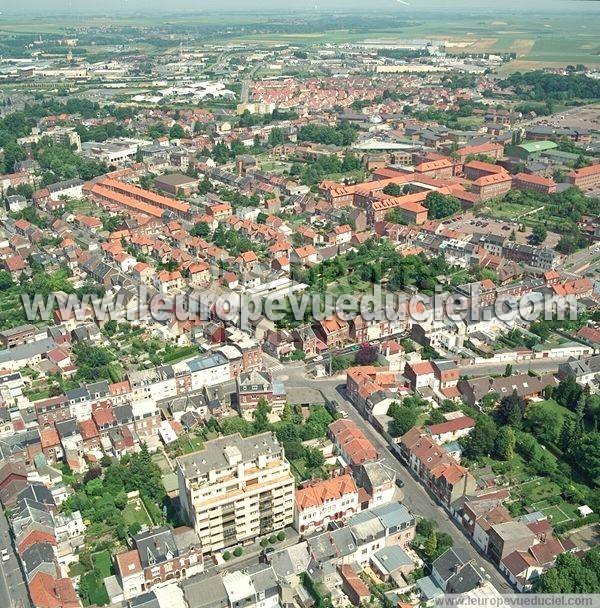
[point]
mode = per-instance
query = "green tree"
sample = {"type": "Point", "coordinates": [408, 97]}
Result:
{"type": "Point", "coordinates": [236, 424]}
{"type": "Point", "coordinates": [261, 416]}
{"type": "Point", "coordinates": [504, 445]}
{"type": "Point", "coordinates": [539, 234]}
{"type": "Point", "coordinates": [6, 281]}
{"type": "Point", "coordinates": [276, 137]}
{"type": "Point", "coordinates": [392, 189]}
{"type": "Point", "coordinates": [200, 229]}
{"type": "Point", "coordinates": [481, 440]}
{"type": "Point", "coordinates": [510, 410]}
{"type": "Point", "coordinates": [586, 453]}
{"type": "Point", "coordinates": [176, 132]}
{"type": "Point", "coordinates": [315, 459]}
{"type": "Point", "coordinates": [568, 392]}
{"type": "Point", "coordinates": [430, 545]}
{"type": "Point", "coordinates": [134, 528]}
{"type": "Point", "coordinates": [572, 574]}
{"type": "Point", "coordinates": [441, 205]}
{"type": "Point", "coordinates": [404, 417]}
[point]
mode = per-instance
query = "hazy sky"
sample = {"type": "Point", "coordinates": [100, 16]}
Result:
{"type": "Point", "coordinates": [12, 7]}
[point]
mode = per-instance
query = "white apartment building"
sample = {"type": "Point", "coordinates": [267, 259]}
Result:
{"type": "Point", "coordinates": [236, 489]}
{"type": "Point", "coordinates": [208, 370]}
{"type": "Point", "coordinates": [156, 383]}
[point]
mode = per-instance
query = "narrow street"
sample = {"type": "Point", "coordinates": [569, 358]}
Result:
{"type": "Point", "coordinates": [416, 497]}
{"type": "Point", "coordinates": [13, 590]}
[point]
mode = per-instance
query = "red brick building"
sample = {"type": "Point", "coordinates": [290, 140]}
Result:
{"type": "Point", "coordinates": [535, 183]}
{"type": "Point", "coordinates": [587, 178]}
{"type": "Point", "coordinates": [492, 186]}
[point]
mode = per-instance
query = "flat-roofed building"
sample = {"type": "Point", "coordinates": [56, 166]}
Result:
{"type": "Point", "coordinates": [15, 336]}
{"type": "Point", "coordinates": [176, 183]}
{"type": "Point", "coordinates": [236, 489]}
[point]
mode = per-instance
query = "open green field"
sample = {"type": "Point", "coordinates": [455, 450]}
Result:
{"type": "Point", "coordinates": [508, 211]}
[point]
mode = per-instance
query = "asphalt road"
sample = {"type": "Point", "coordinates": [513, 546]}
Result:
{"type": "Point", "coordinates": [13, 589]}
{"type": "Point", "coordinates": [416, 497]}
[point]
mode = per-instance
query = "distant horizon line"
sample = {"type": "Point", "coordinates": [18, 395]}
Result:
{"type": "Point", "coordinates": [394, 8]}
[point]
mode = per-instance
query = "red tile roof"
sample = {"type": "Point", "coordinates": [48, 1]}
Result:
{"type": "Point", "coordinates": [451, 426]}
{"type": "Point", "coordinates": [49, 592]}
{"type": "Point", "coordinates": [328, 489]}
{"type": "Point", "coordinates": [351, 440]}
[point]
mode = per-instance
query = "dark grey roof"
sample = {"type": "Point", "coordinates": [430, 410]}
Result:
{"type": "Point", "coordinates": [466, 579]}
{"type": "Point", "coordinates": [36, 555]}
{"type": "Point", "coordinates": [185, 538]}
{"type": "Point", "coordinates": [27, 510]}
{"type": "Point", "coordinates": [448, 562]}
{"type": "Point", "coordinates": [39, 493]}
{"type": "Point", "coordinates": [64, 185]}
{"type": "Point", "coordinates": [123, 413]}
{"type": "Point", "coordinates": [67, 428]}
{"type": "Point", "coordinates": [155, 546]}
{"type": "Point", "coordinates": [77, 394]}
{"type": "Point", "coordinates": [18, 442]}
{"type": "Point", "coordinates": [263, 578]}
{"type": "Point", "coordinates": [26, 351]}
{"type": "Point", "coordinates": [146, 600]}
{"type": "Point", "coordinates": [100, 388]}
{"type": "Point", "coordinates": [393, 557]}
{"type": "Point", "coordinates": [217, 452]}
{"type": "Point", "coordinates": [190, 420]}
{"type": "Point", "coordinates": [344, 541]}
{"type": "Point", "coordinates": [291, 560]}
{"type": "Point", "coordinates": [205, 591]}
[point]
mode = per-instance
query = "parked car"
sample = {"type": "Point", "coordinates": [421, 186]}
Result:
{"type": "Point", "coordinates": [5, 555]}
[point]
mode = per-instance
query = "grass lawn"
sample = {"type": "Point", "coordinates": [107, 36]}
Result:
{"type": "Point", "coordinates": [96, 590]}
{"type": "Point", "coordinates": [186, 444]}
{"type": "Point", "coordinates": [555, 514]}
{"type": "Point", "coordinates": [191, 444]}
{"type": "Point", "coordinates": [513, 470]}
{"type": "Point", "coordinates": [299, 469]}
{"type": "Point", "coordinates": [37, 395]}
{"type": "Point", "coordinates": [469, 122]}
{"type": "Point", "coordinates": [132, 514]}
{"type": "Point", "coordinates": [349, 285]}
{"type": "Point", "coordinates": [301, 472]}
{"type": "Point", "coordinates": [103, 563]}
{"type": "Point", "coordinates": [160, 460]}
{"type": "Point", "coordinates": [508, 211]}
{"type": "Point", "coordinates": [569, 509]}
{"type": "Point", "coordinates": [551, 406]}
{"type": "Point", "coordinates": [539, 490]}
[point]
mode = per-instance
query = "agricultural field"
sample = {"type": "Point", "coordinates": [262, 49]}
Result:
{"type": "Point", "coordinates": [548, 37]}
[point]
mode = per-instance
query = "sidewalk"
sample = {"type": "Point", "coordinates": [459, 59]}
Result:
{"type": "Point", "coordinates": [251, 552]}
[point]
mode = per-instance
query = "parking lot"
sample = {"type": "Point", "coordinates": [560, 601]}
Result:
{"type": "Point", "coordinates": [471, 224]}
{"type": "Point", "coordinates": [575, 118]}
